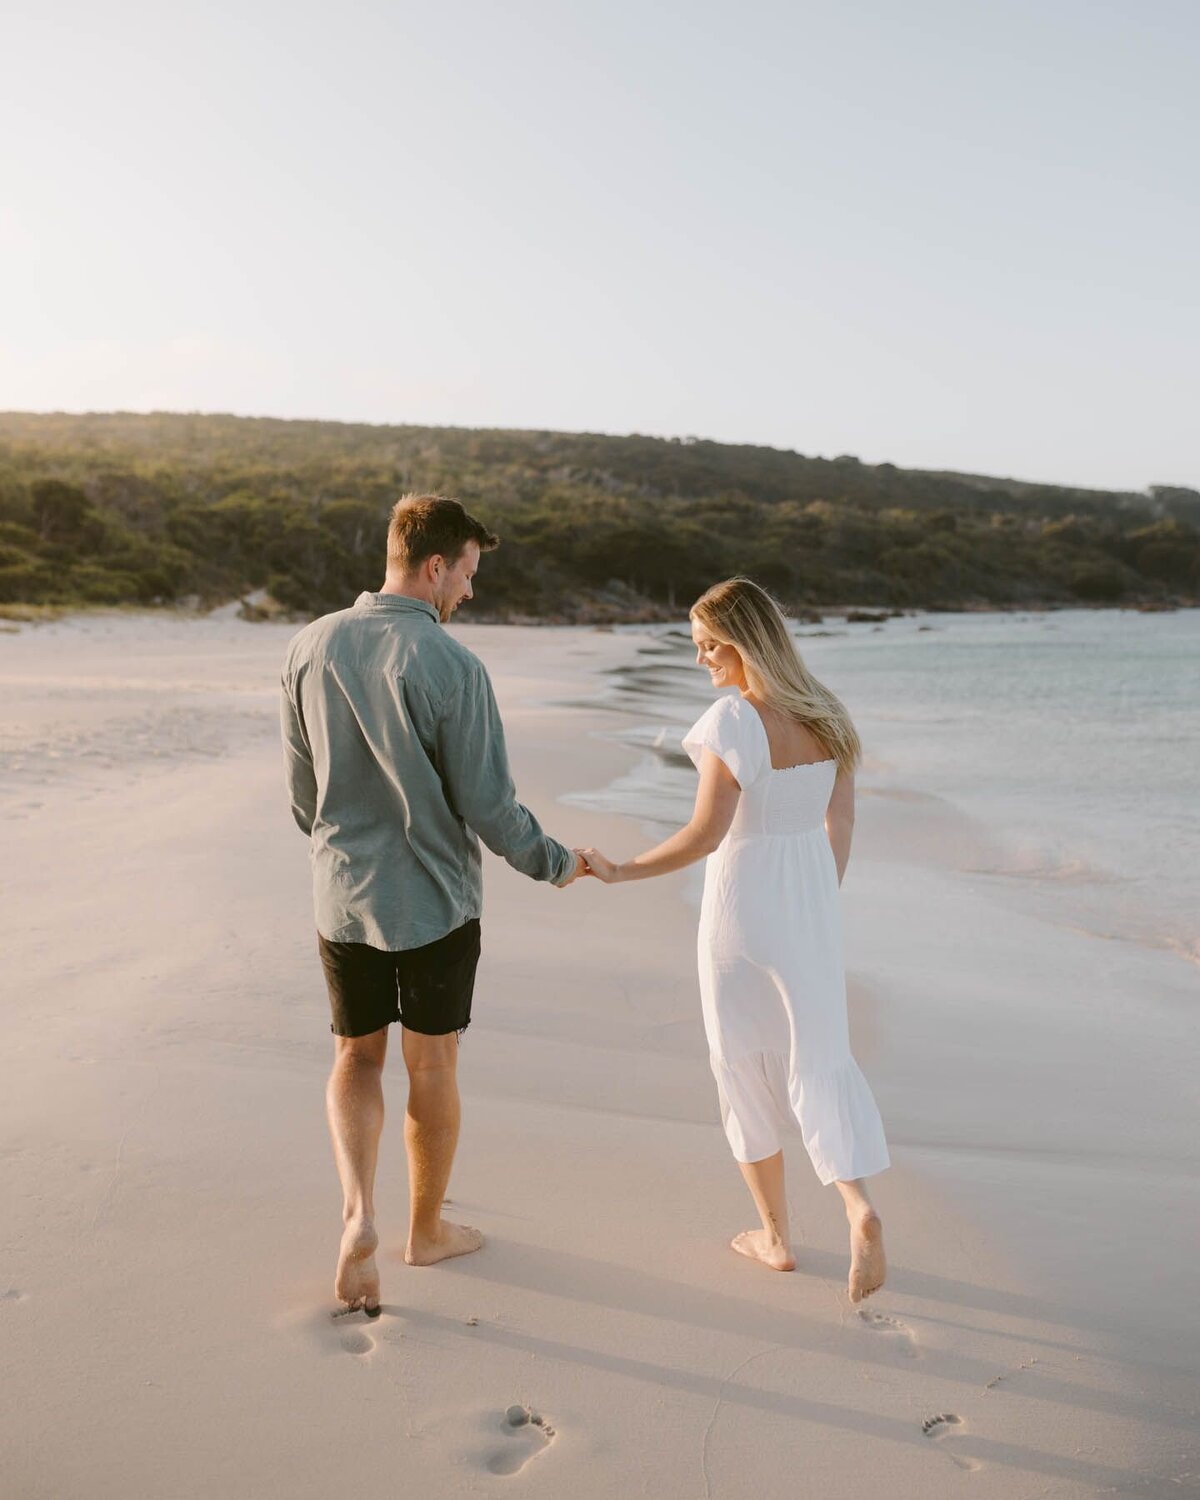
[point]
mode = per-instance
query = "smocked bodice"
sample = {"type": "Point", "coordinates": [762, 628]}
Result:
{"type": "Point", "coordinates": [790, 801]}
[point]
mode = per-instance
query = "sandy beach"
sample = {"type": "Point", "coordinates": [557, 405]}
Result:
{"type": "Point", "coordinates": [171, 1211]}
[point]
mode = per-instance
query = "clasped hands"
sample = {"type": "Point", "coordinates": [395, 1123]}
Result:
{"type": "Point", "coordinates": [592, 862]}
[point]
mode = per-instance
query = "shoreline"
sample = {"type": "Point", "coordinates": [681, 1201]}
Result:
{"type": "Point", "coordinates": [176, 1211]}
{"type": "Point", "coordinates": [1037, 858]}
{"type": "Point", "coordinates": [19, 614]}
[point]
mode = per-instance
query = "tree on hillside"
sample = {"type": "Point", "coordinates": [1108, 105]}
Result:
{"type": "Point", "coordinates": [63, 513]}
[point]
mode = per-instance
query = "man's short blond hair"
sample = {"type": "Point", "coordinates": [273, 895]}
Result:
{"type": "Point", "coordinates": [424, 526]}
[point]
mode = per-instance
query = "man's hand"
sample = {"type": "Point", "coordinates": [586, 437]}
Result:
{"type": "Point", "coordinates": [580, 869]}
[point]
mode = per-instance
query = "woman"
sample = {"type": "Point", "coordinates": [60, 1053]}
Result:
{"type": "Point", "coordinates": [775, 811]}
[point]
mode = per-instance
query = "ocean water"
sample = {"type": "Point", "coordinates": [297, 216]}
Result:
{"type": "Point", "coordinates": [1058, 754]}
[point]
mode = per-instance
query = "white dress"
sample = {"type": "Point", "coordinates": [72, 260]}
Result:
{"type": "Point", "coordinates": [770, 950]}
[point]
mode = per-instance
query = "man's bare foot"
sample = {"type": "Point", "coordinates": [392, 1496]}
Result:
{"type": "Point", "coordinates": [357, 1280]}
{"type": "Point", "coordinates": [757, 1244]}
{"type": "Point", "coordinates": [451, 1239]}
{"type": "Point", "coordinates": [868, 1264]}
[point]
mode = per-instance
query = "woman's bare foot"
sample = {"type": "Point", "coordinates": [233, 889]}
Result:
{"type": "Point", "coordinates": [357, 1280]}
{"type": "Point", "coordinates": [451, 1239]}
{"type": "Point", "coordinates": [868, 1264]}
{"type": "Point", "coordinates": [757, 1244]}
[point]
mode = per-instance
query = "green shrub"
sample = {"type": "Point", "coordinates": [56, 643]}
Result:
{"type": "Point", "coordinates": [28, 583]}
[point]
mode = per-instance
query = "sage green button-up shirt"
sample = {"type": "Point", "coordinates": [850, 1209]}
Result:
{"type": "Point", "coordinates": [395, 762]}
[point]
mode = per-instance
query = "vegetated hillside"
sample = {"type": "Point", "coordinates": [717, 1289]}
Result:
{"type": "Point", "coordinates": [121, 508]}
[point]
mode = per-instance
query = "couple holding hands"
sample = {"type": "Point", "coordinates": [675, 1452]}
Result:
{"type": "Point", "coordinates": [396, 768]}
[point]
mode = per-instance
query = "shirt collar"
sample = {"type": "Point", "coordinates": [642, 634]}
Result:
{"type": "Point", "coordinates": [400, 603]}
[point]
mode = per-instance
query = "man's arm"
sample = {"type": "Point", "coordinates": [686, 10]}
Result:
{"type": "Point", "coordinates": [473, 762]}
{"type": "Point", "coordinates": [297, 757]}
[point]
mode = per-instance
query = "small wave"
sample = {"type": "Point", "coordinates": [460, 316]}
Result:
{"type": "Point", "coordinates": [1186, 946]}
{"type": "Point", "coordinates": [654, 790]}
{"type": "Point", "coordinates": [667, 746]}
{"type": "Point", "coordinates": [924, 719]}
{"type": "Point", "coordinates": [899, 794]}
{"type": "Point", "coordinates": [1069, 872]}
{"type": "Point", "coordinates": [663, 742]}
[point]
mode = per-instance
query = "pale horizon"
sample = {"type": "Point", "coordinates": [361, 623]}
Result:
{"type": "Point", "coordinates": [946, 240]}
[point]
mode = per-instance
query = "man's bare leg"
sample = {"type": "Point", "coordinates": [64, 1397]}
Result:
{"type": "Point", "coordinates": [354, 1102]}
{"type": "Point", "coordinates": [772, 1244]}
{"type": "Point", "coordinates": [430, 1137]}
{"type": "Point", "coordinates": [868, 1264]}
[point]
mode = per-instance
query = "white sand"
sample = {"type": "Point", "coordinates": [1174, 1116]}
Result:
{"type": "Point", "coordinates": [171, 1209]}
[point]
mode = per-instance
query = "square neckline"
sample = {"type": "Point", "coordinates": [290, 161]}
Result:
{"type": "Point", "coordinates": [800, 765]}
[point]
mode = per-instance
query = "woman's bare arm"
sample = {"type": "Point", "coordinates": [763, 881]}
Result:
{"type": "Point", "coordinates": [716, 802]}
{"type": "Point", "coordinates": [839, 820]}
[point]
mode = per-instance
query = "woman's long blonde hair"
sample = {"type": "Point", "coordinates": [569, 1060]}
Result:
{"type": "Point", "coordinates": [741, 614]}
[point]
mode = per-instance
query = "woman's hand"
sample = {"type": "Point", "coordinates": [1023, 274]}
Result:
{"type": "Point", "coordinates": [603, 869]}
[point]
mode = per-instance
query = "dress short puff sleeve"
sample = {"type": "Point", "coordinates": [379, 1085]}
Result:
{"type": "Point", "coordinates": [726, 730]}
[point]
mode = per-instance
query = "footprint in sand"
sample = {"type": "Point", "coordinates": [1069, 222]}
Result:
{"type": "Point", "coordinates": [355, 1341]}
{"type": "Point", "coordinates": [897, 1332]}
{"type": "Point", "coordinates": [944, 1425]}
{"type": "Point", "coordinates": [526, 1435]}
{"type": "Point", "coordinates": [333, 1334]}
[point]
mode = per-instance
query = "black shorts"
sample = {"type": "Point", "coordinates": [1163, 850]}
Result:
{"type": "Point", "coordinates": [426, 989]}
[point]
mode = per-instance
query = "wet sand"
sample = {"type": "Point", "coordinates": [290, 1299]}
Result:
{"type": "Point", "coordinates": [172, 1211]}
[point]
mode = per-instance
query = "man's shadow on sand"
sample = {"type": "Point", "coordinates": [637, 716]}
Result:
{"type": "Point", "coordinates": [626, 1290]}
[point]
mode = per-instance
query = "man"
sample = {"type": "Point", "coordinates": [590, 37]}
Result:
{"type": "Point", "coordinates": [395, 762]}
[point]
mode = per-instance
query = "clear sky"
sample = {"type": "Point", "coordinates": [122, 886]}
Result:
{"type": "Point", "coordinates": [944, 233]}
